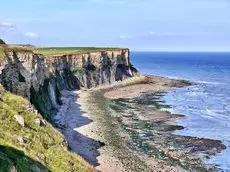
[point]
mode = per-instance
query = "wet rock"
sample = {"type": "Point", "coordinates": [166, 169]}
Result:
{"type": "Point", "coordinates": [39, 169]}
{"type": "Point", "coordinates": [40, 122]}
{"type": "Point", "coordinates": [20, 120]}
{"type": "Point", "coordinates": [13, 169]}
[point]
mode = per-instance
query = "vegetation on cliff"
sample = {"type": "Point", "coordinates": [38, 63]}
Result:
{"type": "Point", "coordinates": [4, 48]}
{"type": "Point", "coordinates": [29, 143]}
{"type": "Point", "coordinates": [49, 51]}
{"type": "Point", "coordinates": [2, 42]}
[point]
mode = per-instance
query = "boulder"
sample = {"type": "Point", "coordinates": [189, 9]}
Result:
{"type": "Point", "coordinates": [40, 122]}
{"type": "Point", "coordinates": [31, 108]}
{"type": "Point", "coordinates": [20, 139]}
{"type": "Point", "coordinates": [36, 168]}
{"type": "Point", "coordinates": [20, 120]}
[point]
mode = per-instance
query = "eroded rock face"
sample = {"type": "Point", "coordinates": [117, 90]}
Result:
{"type": "Point", "coordinates": [23, 70]}
{"type": "Point", "coordinates": [92, 69]}
{"type": "Point", "coordinates": [40, 80]}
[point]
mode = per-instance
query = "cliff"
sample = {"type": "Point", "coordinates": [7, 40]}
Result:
{"type": "Point", "coordinates": [41, 79]}
{"type": "Point", "coordinates": [27, 141]}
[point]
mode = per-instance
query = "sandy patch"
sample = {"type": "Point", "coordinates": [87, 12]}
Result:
{"type": "Point", "coordinates": [153, 84]}
{"type": "Point", "coordinates": [79, 130]}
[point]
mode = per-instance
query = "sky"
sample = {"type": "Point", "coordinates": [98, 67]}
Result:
{"type": "Point", "coordinates": [145, 25]}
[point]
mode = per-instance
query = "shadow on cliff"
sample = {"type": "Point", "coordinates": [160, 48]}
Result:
{"type": "Point", "coordinates": [48, 107]}
{"type": "Point", "coordinates": [15, 160]}
{"type": "Point", "coordinates": [45, 92]}
{"type": "Point", "coordinates": [71, 121]}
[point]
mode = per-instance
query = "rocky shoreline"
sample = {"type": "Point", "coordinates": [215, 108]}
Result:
{"type": "Point", "coordinates": [122, 128]}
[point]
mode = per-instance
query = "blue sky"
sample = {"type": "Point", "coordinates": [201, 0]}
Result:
{"type": "Point", "coordinates": [161, 25]}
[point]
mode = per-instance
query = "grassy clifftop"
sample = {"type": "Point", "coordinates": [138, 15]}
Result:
{"type": "Point", "coordinates": [28, 142]}
{"type": "Point", "coordinates": [4, 48]}
{"type": "Point", "coordinates": [49, 51]}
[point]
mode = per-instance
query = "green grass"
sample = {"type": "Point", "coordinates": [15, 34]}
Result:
{"type": "Point", "coordinates": [43, 146]}
{"type": "Point", "coordinates": [2, 55]}
{"type": "Point", "coordinates": [15, 48]}
{"type": "Point", "coordinates": [49, 51]}
{"type": "Point", "coordinates": [12, 158]}
{"type": "Point", "coordinates": [5, 48]}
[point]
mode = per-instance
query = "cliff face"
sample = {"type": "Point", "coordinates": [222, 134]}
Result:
{"type": "Point", "coordinates": [41, 79]}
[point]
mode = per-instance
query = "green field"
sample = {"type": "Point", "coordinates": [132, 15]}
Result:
{"type": "Point", "coordinates": [4, 48]}
{"type": "Point", "coordinates": [49, 51]}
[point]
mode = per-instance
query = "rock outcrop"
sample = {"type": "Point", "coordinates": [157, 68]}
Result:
{"type": "Point", "coordinates": [41, 79]}
{"type": "Point", "coordinates": [20, 120]}
{"type": "Point", "coordinates": [2, 42]}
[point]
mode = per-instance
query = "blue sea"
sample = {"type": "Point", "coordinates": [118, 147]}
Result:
{"type": "Point", "coordinates": [206, 105]}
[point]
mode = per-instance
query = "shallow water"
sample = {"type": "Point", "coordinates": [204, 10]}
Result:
{"type": "Point", "coordinates": [207, 105]}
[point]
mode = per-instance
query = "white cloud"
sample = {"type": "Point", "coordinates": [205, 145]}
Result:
{"type": "Point", "coordinates": [152, 33]}
{"type": "Point", "coordinates": [125, 37]}
{"type": "Point", "coordinates": [7, 24]}
{"type": "Point", "coordinates": [7, 27]}
{"type": "Point", "coordinates": [149, 34]}
{"type": "Point", "coordinates": [32, 34]}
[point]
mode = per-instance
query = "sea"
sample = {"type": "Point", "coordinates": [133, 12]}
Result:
{"type": "Point", "coordinates": [207, 104]}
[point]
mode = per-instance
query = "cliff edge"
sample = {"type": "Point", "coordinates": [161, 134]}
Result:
{"type": "Point", "coordinates": [30, 85]}
{"type": "Point", "coordinates": [40, 79]}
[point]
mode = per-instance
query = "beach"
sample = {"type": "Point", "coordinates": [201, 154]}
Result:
{"type": "Point", "coordinates": [122, 128]}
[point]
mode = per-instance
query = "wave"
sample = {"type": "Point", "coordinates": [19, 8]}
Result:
{"type": "Point", "coordinates": [212, 83]}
